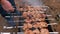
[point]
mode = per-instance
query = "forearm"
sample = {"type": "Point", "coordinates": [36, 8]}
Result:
{"type": "Point", "coordinates": [7, 5]}
{"type": "Point", "coordinates": [3, 1]}
{"type": "Point", "coordinates": [0, 1]}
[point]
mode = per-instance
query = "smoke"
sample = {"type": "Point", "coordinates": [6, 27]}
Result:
{"type": "Point", "coordinates": [34, 2]}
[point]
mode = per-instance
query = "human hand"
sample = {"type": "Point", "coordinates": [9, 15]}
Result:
{"type": "Point", "coordinates": [7, 6]}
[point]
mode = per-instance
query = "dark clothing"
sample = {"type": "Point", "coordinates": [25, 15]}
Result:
{"type": "Point", "coordinates": [13, 3]}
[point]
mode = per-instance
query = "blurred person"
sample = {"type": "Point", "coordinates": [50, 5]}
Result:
{"type": "Point", "coordinates": [6, 5]}
{"type": "Point", "coordinates": [6, 8]}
